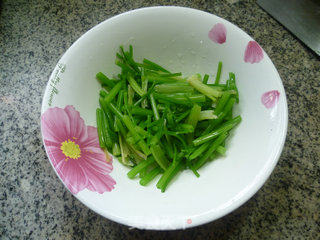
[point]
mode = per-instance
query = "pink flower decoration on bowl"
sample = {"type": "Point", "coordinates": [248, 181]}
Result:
{"type": "Point", "coordinates": [253, 52]}
{"type": "Point", "coordinates": [218, 33]}
{"type": "Point", "coordinates": [74, 151]}
{"type": "Point", "coordinates": [270, 99]}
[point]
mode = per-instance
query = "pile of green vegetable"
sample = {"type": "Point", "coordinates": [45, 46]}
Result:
{"type": "Point", "coordinates": [158, 122]}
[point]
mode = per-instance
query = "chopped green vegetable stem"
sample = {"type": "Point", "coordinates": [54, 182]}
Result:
{"type": "Point", "coordinates": [174, 88]}
{"type": "Point", "coordinates": [154, 107]}
{"type": "Point", "coordinates": [225, 127]}
{"type": "Point", "coordinates": [135, 86]}
{"type": "Point", "coordinates": [106, 132]}
{"type": "Point", "coordinates": [112, 94]}
{"type": "Point", "coordinates": [207, 114]}
{"type": "Point", "coordinates": [193, 119]}
{"type": "Point", "coordinates": [205, 79]}
{"type": "Point", "coordinates": [211, 93]}
{"type": "Point", "coordinates": [116, 149]}
{"type": "Point", "coordinates": [154, 66]}
{"type": "Point", "coordinates": [134, 171]}
{"type": "Point", "coordinates": [103, 79]}
{"type": "Point", "coordinates": [209, 152]}
{"type": "Point", "coordinates": [150, 176]}
{"type": "Point", "coordinates": [173, 124]}
{"type": "Point", "coordinates": [141, 111]}
{"type": "Point", "coordinates": [222, 150]}
{"type": "Point", "coordinates": [218, 73]}
{"type": "Point", "coordinates": [168, 175]}
{"type": "Point", "coordinates": [99, 127]}
{"type": "Point", "coordinates": [159, 156]}
{"type": "Point", "coordinates": [180, 98]}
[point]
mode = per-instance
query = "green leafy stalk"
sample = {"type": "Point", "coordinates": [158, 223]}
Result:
{"type": "Point", "coordinates": [221, 116]}
{"type": "Point", "coordinates": [182, 99]}
{"type": "Point", "coordinates": [221, 150]}
{"type": "Point", "coordinates": [205, 79]}
{"type": "Point", "coordinates": [196, 153]}
{"type": "Point", "coordinates": [124, 152]}
{"type": "Point", "coordinates": [195, 81]}
{"type": "Point", "coordinates": [130, 95]}
{"type": "Point", "coordinates": [150, 176]}
{"type": "Point", "coordinates": [222, 102]}
{"type": "Point", "coordinates": [173, 88]}
{"type": "Point", "coordinates": [153, 66]}
{"type": "Point", "coordinates": [134, 171]}
{"type": "Point", "coordinates": [207, 114]}
{"type": "Point", "coordinates": [131, 127]}
{"type": "Point", "coordinates": [116, 151]}
{"type": "Point", "coordinates": [140, 111]}
{"type": "Point", "coordinates": [182, 116]}
{"type": "Point", "coordinates": [218, 73]}
{"type": "Point", "coordinates": [209, 152]}
{"type": "Point", "coordinates": [159, 156]}
{"type": "Point", "coordinates": [154, 107]}
{"type": "Point", "coordinates": [193, 119]}
{"type": "Point", "coordinates": [99, 127]}
{"type": "Point", "coordinates": [169, 174]}
{"type": "Point", "coordinates": [135, 86]}
{"type": "Point", "coordinates": [232, 82]}
{"type": "Point", "coordinates": [144, 83]}
{"type": "Point", "coordinates": [159, 79]}
{"type": "Point", "coordinates": [225, 127]}
{"type": "Point", "coordinates": [114, 91]}
{"type": "Point", "coordinates": [103, 79]}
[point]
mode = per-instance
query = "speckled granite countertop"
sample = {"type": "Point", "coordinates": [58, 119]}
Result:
{"type": "Point", "coordinates": [34, 205]}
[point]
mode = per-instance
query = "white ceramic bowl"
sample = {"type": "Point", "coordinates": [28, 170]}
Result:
{"type": "Point", "coordinates": [181, 39]}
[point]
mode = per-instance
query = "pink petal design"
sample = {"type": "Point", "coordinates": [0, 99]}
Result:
{"type": "Point", "coordinates": [55, 154]}
{"type": "Point", "coordinates": [189, 220]}
{"type": "Point", "coordinates": [77, 126]}
{"type": "Point", "coordinates": [90, 170]}
{"type": "Point", "coordinates": [96, 162]}
{"type": "Point", "coordinates": [253, 52]}
{"type": "Point", "coordinates": [218, 33]}
{"type": "Point", "coordinates": [99, 182]}
{"type": "Point", "coordinates": [270, 99]}
{"type": "Point", "coordinates": [92, 139]}
{"type": "Point", "coordinates": [73, 176]}
{"type": "Point", "coordinates": [55, 125]}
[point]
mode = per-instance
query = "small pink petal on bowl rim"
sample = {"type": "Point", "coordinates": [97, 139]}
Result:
{"type": "Point", "coordinates": [189, 220]}
{"type": "Point", "coordinates": [253, 52]}
{"type": "Point", "coordinates": [218, 33]}
{"type": "Point", "coordinates": [270, 99]}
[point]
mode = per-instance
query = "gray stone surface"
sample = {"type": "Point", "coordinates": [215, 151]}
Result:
{"type": "Point", "coordinates": [34, 205]}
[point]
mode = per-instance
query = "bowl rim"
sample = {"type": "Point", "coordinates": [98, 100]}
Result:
{"type": "Point", "coordinates": [208, 216]}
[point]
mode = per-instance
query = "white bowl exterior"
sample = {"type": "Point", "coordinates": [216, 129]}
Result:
{"type": "Point", "coordinates": [177, 38]}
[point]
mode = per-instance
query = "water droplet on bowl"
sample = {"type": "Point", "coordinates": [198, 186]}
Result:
{"type": "Point", "coordinates": [201, 41]}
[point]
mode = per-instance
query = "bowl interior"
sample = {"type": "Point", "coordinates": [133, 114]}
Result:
{"type": "Point", "coordinates": [177, 38]}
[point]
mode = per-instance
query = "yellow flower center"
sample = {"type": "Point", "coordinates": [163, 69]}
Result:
{"type": "Point", "coordinates": [70, 149]}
